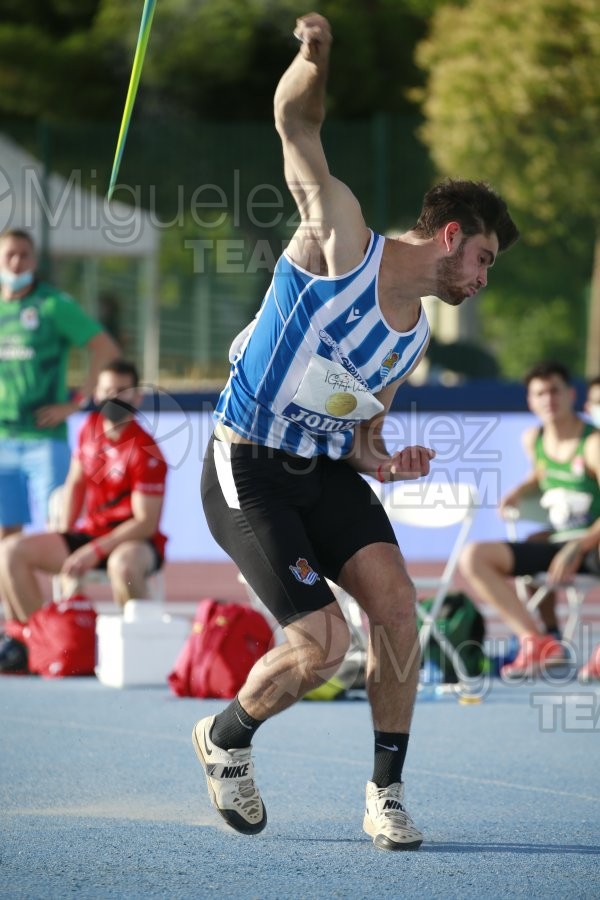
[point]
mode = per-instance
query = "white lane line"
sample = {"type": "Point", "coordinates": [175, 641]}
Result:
{"type": "Point", "coordinates": [290, 754]}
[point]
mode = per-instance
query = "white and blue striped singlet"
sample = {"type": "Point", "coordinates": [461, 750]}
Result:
{"type": "Point", "coordinates": [306, 370]}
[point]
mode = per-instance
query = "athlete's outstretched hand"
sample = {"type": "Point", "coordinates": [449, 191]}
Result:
{"type": "Point", "coordinates": [406, 465]}
{"type": "Point", "coordinates": [314, 33]}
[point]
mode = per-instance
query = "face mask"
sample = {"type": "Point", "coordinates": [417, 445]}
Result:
{"type": "Point", "coordinates": [116, 411]}
{"type": "Point", "coordinates": [594, 414]}
{"type": "Point", "coordinates": [16, 283]}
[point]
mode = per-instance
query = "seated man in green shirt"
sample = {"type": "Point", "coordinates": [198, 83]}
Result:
{"type": "Point", "coordinates": [38, 326]}
{"type": "Point", "coordinates": [565, 457]}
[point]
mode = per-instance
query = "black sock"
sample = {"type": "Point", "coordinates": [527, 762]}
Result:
{"type": "Point", "coordinates": [390, 752]}
{"type": "Point", "coordinates": [233, 727]}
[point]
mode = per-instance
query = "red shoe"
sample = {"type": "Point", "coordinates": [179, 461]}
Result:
{"type": "Point", "coordinates": [591, 670]}
{"type": "Point", "coordinates": [536, 652]}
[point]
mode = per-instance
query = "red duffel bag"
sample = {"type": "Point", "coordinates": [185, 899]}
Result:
{"type": "Point", "coordinates": [61, 639]}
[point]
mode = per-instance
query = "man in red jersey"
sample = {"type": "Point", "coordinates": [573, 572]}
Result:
{"type": "Point", "coordinates": [112, 503]}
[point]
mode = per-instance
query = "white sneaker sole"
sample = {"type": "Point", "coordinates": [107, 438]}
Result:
{"type": "Point", "coordinates": [382, 842]}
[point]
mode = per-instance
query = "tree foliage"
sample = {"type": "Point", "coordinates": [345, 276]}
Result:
{"type": "Point", "coordinates": [53, 64]}
{"type": "Point", "coordinates": [222, 58]}
{"type": "Point", "coordinates": [514, 90]}
{"type": "Point", "coordinates": [218, 59]}
{"type": "Point", "coordinates": [513, 95]}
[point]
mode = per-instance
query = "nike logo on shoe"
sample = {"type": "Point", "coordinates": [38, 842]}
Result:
{"type": "Point", "coordinates": [353, 315]}
{"type": "Point", "coordinates": [239, 771]}
{"type": "Point", "coordinates": [393, 748]}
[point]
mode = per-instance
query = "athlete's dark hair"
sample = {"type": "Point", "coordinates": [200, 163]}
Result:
{"type": "Point", "coordinates": [122, 367]}
{"type": "Point", "coordinates": [19, 233]}
{"type": "Point", "coordinates": [473, 204]}
{"type": "Point", "coordinates": [546, 370]}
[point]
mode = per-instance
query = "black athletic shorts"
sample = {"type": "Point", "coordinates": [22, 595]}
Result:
{"type": "Point", "coordinates": [289, 523]}
{"type": "Point", "coordinates": [76, 539]}
{"type": "Point", "coordinates": [532, 557]}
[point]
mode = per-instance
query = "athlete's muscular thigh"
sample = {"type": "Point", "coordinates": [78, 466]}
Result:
{"type": "Point", "coordinates": [376, 577]}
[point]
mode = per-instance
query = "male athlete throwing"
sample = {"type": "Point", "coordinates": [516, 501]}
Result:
{"type": "Point", "coordinates": [301, 416]}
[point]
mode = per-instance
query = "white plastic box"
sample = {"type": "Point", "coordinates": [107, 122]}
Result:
{"type": "Point", "coordinates": [138, 648]}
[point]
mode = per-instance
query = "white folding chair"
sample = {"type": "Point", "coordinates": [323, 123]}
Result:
{"type": "Point", "coordinates": [575, 591]}
{"type": "Point", "coordinates": [435, 505]}
{"type": "Point", "coordinates": [156, 582]}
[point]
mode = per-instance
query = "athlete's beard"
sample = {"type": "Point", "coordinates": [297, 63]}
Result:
{"type": "Point", "coordinates": [447, 272]}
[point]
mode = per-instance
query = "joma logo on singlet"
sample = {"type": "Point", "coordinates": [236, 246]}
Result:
{"type": "Point", "coordinates": [323, 423]}
{"type": "Point", "coordinates": [235, 771]}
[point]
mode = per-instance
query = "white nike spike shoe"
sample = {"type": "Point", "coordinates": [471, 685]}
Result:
{"type": "Point", "coordinates": [230, 783]}
{"type": "Point", "coordinates": [387, 821]}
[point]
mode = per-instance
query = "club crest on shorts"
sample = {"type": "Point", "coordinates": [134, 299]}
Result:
{"type": "Point", "coordinates": [303, 572]}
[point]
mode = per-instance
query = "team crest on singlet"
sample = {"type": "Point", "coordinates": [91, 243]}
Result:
{"type": "Point", "coordinates": [388, 364]}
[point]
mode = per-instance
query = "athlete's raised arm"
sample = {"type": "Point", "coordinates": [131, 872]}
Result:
{"type": "Point", "coordinates": [332, 236]}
